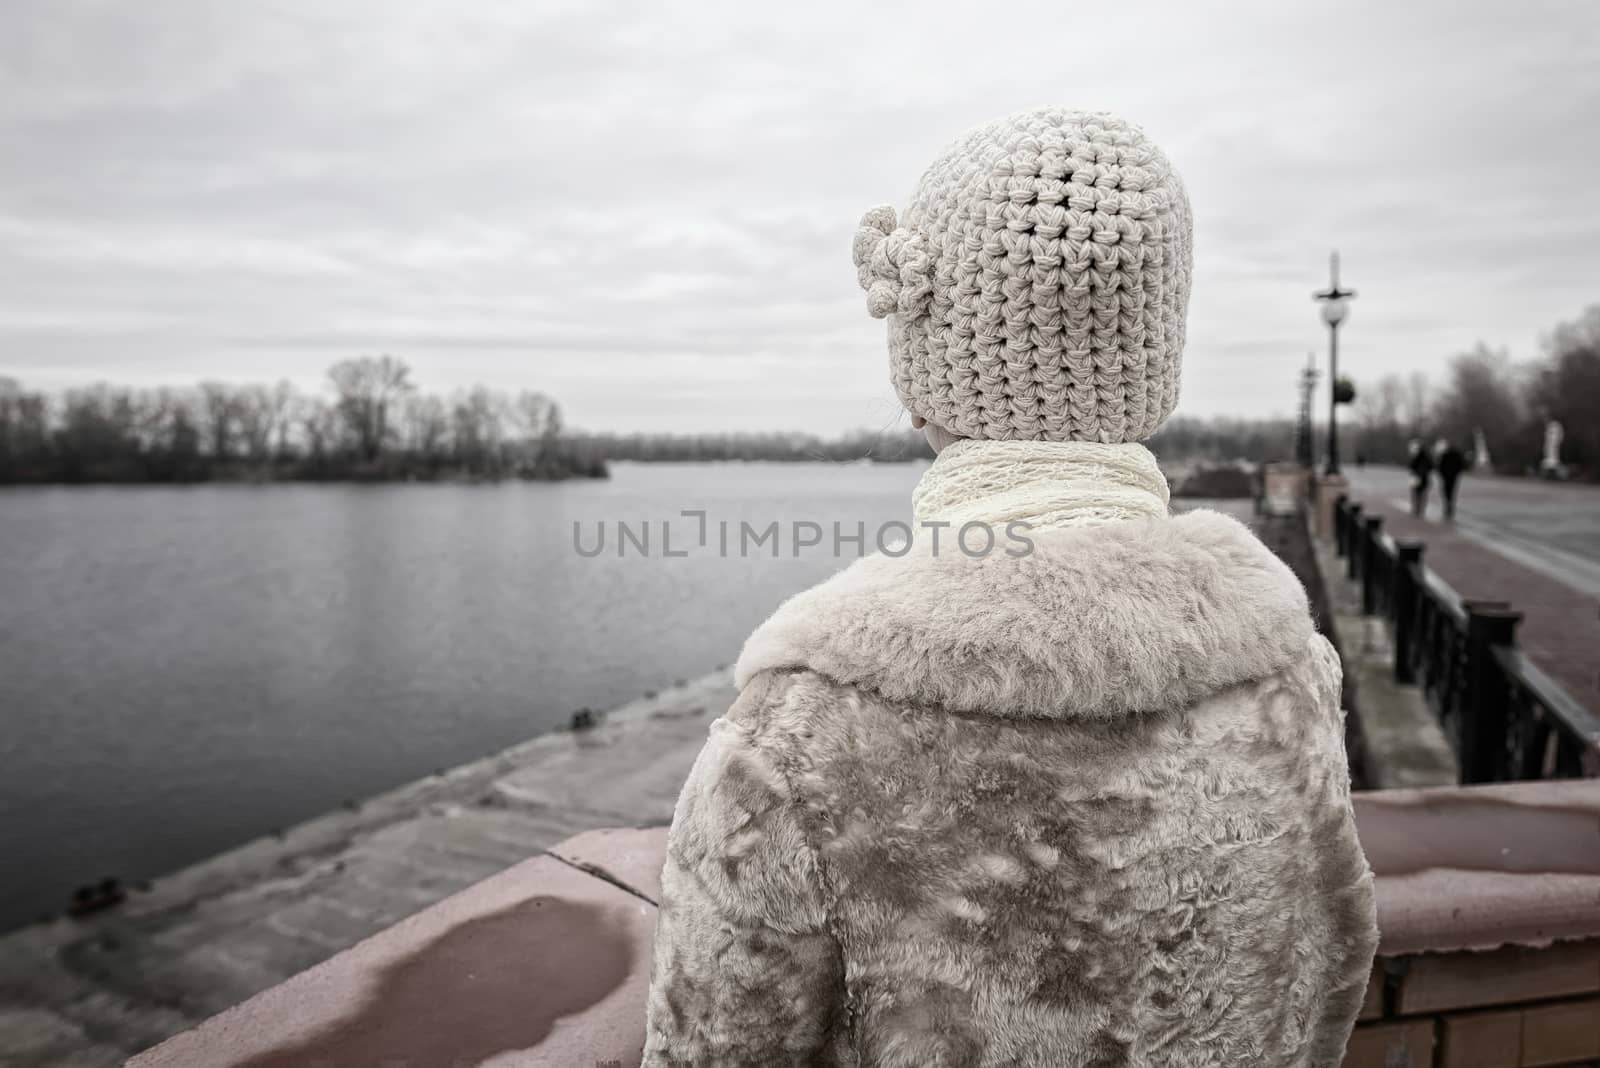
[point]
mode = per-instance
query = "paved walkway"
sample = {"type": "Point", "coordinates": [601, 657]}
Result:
{"type": "Point", "coordinates": [1533, 545]}
{"type": "Point", "coordinates": [1549, 527]}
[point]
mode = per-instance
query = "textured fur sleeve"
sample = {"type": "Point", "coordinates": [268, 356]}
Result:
{"type": "Point", "coordinates": [1344, 882]}
{"type": "Point", "coordinates": [745, 971]}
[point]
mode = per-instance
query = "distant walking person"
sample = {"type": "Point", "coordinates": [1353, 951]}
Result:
{"type": "Point", "coordinates": [1421, 465]}
{"type": "Point", "coordinates": [1451, 462]}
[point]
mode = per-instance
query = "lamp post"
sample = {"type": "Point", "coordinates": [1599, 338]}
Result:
{"type": "Point", "coordinates": [1304, 449]}
{"type": "Point", "coordinates": [1335, 306]}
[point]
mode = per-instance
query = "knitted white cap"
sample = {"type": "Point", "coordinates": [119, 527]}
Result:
{"type": "Point", "coordinates": [1038, 285]}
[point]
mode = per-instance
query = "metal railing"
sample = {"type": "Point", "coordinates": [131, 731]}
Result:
{"type": "Point", "coordinates": [1506, 718]}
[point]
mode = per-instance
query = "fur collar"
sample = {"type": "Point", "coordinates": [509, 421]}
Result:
{"type": "Point", "coordinates": [1097, 622]}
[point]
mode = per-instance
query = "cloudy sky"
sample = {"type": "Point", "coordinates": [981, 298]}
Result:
{"type": "Point", "coordinates": [646, 209]}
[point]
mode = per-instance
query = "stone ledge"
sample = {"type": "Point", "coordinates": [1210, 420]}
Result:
{"type": "Point", "coordinates": [1476, 867]}
{"type": "Point", "coordinates": [548, 963]}
{"type": "Point", "coordinates": [545, 964]}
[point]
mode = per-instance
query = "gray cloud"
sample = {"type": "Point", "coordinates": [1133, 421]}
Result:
{"type": "Point", "coordinates": [646, 209]}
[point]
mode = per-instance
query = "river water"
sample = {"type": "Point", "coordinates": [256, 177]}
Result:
{"type": "Point", "coordinates": [182, 669]}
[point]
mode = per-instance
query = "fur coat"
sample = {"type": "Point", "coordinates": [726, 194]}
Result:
{"type": "Point", "coordinates": [1083, 807]}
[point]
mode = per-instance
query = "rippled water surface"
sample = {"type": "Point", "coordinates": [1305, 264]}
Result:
{"type": "Point", "coordinates": [182, 669]}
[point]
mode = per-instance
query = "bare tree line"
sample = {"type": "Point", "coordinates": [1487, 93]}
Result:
{"type": "Point", "coordinates": [376, 425]}
{"type": "Point", "coordinates": [886, 446]}
{"type": "Point", "coordinates": [1183, 438]}
{"type": "Point", "coordinates": [1509, 402]}
{"type": "Point", "coordinates": [1223, 439]}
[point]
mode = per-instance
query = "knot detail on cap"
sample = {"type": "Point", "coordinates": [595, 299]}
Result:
{"type": "Point", "coordinates": [892, 265]}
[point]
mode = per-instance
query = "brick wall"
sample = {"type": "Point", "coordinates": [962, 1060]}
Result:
{"type": "Point", "coordinates": [1504, 1008]}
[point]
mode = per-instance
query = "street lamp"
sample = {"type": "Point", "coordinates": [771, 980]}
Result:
{"type": "Point", "coordinates": [1335, 307]}
{"type": "Point", "coordinates": [1305, 449]}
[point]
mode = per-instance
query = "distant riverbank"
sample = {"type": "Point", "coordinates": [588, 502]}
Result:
{"type": "Point", "coordinates": [553, 464]}
{"type": "Point", "coordinates": [376, 427]}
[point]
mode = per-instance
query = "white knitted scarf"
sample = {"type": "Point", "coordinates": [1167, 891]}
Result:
{"type": "Point", "coordinates": [1044, 484]}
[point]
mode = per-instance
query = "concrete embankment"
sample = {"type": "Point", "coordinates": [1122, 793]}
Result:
{"type": "Point", "coordinates": [92, 991]}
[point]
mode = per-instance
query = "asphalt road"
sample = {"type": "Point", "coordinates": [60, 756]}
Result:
{"type": "Point", "coordinates": [1550, 527]}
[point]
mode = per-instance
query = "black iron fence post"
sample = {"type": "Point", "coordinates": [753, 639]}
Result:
{"type": "Point", "coordinates": [1341, 539]}
{"type": "Point", "coordinates": [1369, 563]}
{"type": "Point", "coordinates": [1487, 714]}
{"type": "Point", "coordinates": [1408, 568]}
{"type": "Point", "coordinates": [1353, 548]}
